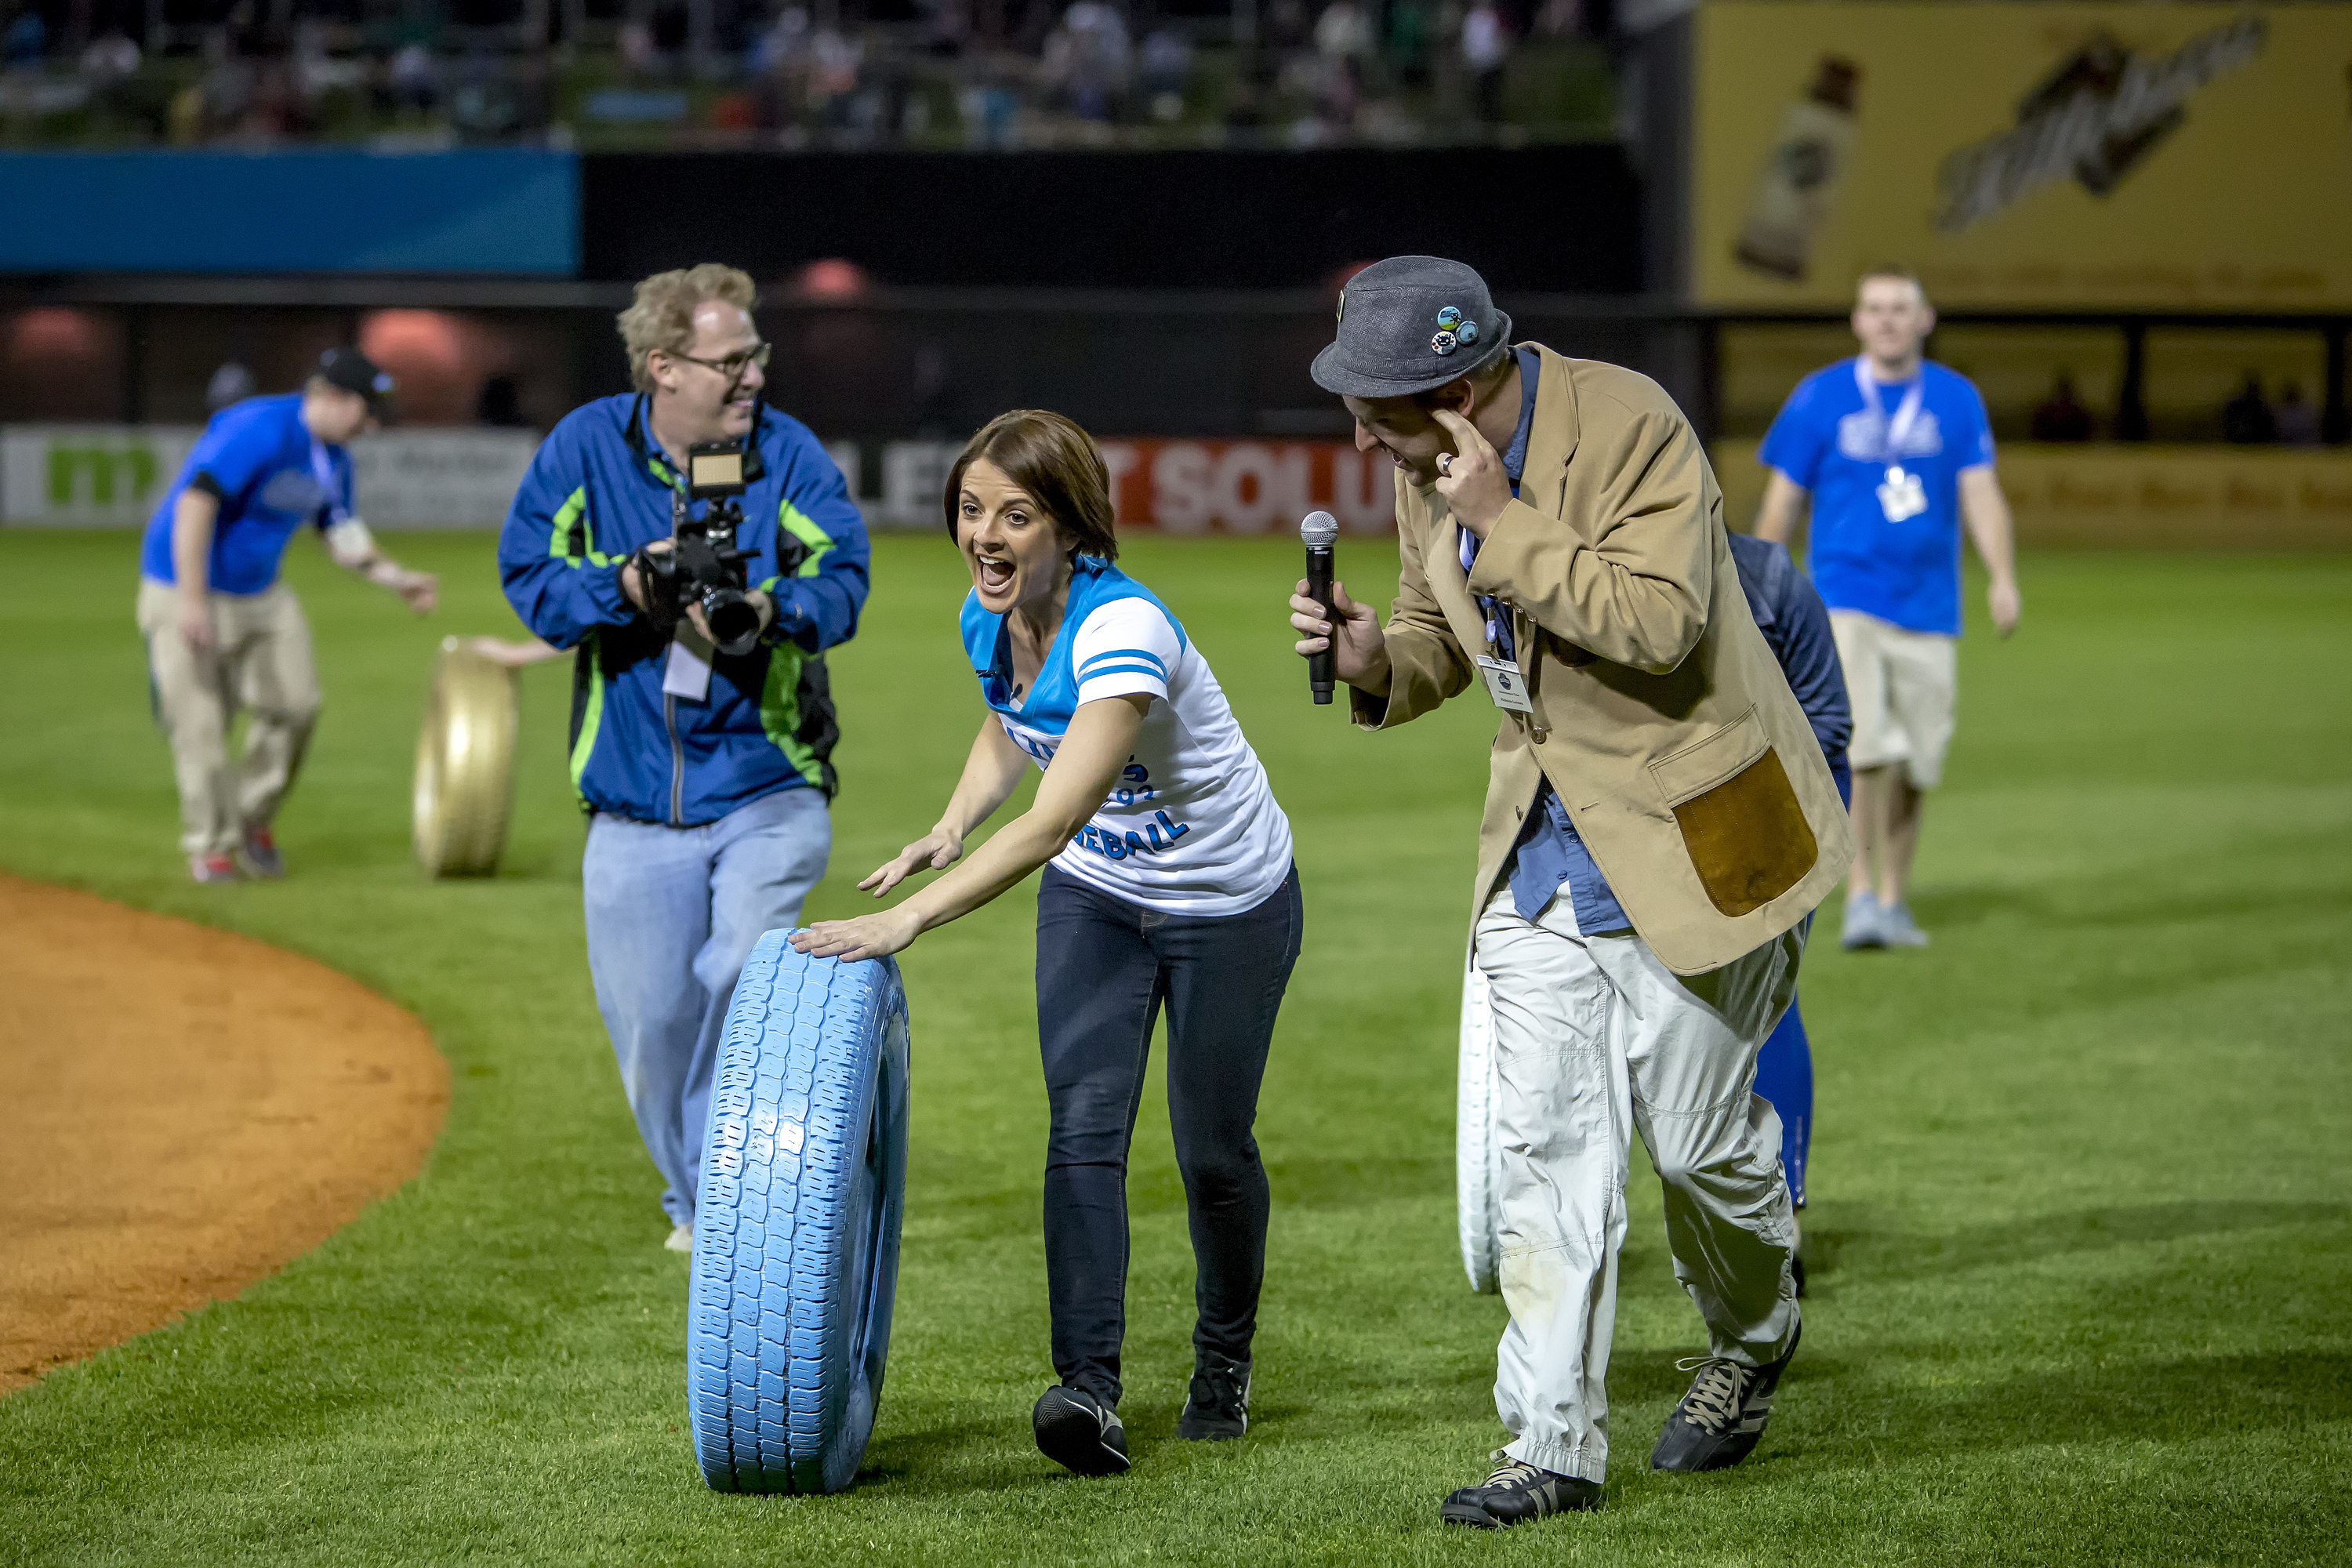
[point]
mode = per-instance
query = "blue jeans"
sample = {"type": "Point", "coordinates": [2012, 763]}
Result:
{"type": "Point", "coordinates": [672, 914]}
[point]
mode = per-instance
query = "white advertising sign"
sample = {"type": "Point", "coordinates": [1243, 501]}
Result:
{"type": "Point", "coordinates": [439, 478]}
{"type": "Point", "coordinates": [112, 476]}
{"type": "Point", "coordinates": [89, 476]}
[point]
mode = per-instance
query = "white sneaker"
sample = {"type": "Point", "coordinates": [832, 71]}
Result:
{"type": "Point", "coordinates": [1862, 930]}
{"type": "Point", "coordinates": [681, 1239]}
{"type": "Point", "coordinates": [1895, 928]}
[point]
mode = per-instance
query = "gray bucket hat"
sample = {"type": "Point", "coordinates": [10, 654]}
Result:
{"type": "Point", "coordinates": [1409, 324]}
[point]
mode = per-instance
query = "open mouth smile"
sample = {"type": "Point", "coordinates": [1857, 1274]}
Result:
{"type": "Point", "coordinates": [995, 575]}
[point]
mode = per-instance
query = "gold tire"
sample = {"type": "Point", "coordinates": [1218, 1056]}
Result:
{"type": "Point", "coordinates": [465, 765]}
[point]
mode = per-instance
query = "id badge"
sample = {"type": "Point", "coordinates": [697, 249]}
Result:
{"type": "Point", "coordinates": [688, 674]}
{"type": "Point", "coordinates": [1506, 685]}
{"type": "Point", "coordinates": [1902, 495]}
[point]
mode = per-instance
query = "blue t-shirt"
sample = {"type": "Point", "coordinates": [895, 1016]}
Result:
{"type": "Point", "coordinates": [258, 459]}
{"type": "Point", "coordinates": [1828, 439]}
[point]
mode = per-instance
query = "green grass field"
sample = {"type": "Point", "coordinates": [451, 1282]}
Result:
{"type": "Point", "coordinates": [2082, 1216]}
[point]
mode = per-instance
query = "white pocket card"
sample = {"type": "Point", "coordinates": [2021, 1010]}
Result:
{"type": "Point", "coordinates": [1506, 685]}
{"type": "Point", "coordinates": [688, 674]}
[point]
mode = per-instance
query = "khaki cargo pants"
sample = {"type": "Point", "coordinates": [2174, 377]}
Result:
{"type": "Point", "coordinates": [260, 662]}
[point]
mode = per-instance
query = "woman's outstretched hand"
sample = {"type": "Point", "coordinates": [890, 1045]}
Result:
{"type": "Point", "coordinates": [935, 851]}
{"type": "Point", "coordinates": [867, 936]}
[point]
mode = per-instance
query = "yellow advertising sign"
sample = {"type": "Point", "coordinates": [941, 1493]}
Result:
{"type": "Point", "coordinates": [2181, 156]}
{"type": "Point", "coordinates": [2136, 496]}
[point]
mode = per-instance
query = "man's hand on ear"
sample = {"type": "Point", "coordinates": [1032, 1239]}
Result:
{"type": "Point", "coordinates": [1471, 480]}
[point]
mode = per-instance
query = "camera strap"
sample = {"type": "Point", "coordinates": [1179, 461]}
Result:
{"type": "Point", "coordinates": [754, 467]}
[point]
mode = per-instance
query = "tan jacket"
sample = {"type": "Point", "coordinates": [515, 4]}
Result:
{"type": "Point", "coordinates": [1661, 716]}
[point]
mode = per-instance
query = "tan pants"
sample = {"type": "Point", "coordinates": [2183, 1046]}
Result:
{"type": "Point", "coordinates": [1902, 687]}
{"type": "Point", "coordinates": [260, 662]}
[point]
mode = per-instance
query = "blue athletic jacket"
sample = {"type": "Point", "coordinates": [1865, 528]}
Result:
{"type": "Point", "coordinates": [598, 489]}
{"type": "Point", "coordinates": [1796, 626]}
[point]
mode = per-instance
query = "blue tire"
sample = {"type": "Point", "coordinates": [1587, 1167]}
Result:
{"type": "Point", "coordinates": [796, 1227]}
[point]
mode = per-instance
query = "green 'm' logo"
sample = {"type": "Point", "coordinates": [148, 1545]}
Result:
{"type": "Point", "coordinates": [98, 475]}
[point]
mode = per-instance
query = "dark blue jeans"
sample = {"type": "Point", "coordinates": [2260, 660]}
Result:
{"type": "Point", "coordinates": [1105, 968]}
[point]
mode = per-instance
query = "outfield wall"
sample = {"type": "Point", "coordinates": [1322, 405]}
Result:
{"type": "Point", "coordinates": [112, 476]}
{"type": "Point", "coordinates": [2092, 496]}
{"type": "Point", "coordinates": [2129, 497]}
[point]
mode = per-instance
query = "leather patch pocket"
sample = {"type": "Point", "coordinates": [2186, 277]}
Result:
{"type": "Point", "coordinates": [1741, 823]}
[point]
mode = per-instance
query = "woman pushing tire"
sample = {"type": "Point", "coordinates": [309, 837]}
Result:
{"type": "Point", "coordinates": [1170, 883]}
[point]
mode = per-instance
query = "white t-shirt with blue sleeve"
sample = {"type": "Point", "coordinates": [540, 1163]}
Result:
{"type": "Point", "coordinates": [1192, 826]}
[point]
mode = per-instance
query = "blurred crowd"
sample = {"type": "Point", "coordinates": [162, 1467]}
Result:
{"type": "Point", "coordinates": [2250, 417]}
{"type": "Point", "coordinates": [981, 73]}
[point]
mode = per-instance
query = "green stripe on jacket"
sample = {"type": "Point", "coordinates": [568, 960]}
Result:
{"type": "Point", "coordinates": [572, 514]}
{"type": "Point", "coordinates": [590, 717]}
{"type": "Point", "coordinates": [780, 702]}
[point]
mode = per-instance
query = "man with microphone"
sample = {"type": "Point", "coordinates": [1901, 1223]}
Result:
{"type": "Point", "coordinates": [1659, 820]}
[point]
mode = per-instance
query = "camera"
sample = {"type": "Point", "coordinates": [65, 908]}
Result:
{"type": "Point", "coordinates": [702, 565]}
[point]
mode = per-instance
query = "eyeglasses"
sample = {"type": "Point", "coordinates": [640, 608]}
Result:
{"type": "Point", "coordinates": [733, 366]}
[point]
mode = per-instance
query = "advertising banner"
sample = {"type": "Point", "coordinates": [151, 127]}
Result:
{"type": "Point", "coordinates": [1241, 487]}
{"type": "Point", "coordinates": [2029, 155]}
{"type": "Point", "coordinates": [112, 476]}
{"type": "Point", "coordinates": [90, 475]}
{"type": "Point", "coordinates": [439, 478]}
{"type": "Point", "coordinates": [2137, 496]}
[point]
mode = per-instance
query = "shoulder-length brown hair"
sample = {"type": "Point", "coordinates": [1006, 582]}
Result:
{"type": "Point", "coordinates": [1056, 462]}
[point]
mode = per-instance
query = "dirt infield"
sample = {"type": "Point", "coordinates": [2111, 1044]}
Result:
{"type": "Point", "coordinates": [186, 1111]}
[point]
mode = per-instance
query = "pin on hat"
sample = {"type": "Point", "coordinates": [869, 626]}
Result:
{"type": "Point", "coordinates": [1384, 346]}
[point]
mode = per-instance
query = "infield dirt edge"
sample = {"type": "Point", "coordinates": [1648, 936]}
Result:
{"type": "Point", "coordinates": [193, 1111]}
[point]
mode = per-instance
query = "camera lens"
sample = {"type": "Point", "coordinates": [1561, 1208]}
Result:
{"type": "Point", "coordinates": [734, 621]}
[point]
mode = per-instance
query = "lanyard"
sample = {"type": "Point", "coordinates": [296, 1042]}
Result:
{"type": "Point", "coordinates": [1907, 414]}
{"type": "Point", "coordinates": [1499, 631]}
{"type": "Point", "coordinates": [322, 468]}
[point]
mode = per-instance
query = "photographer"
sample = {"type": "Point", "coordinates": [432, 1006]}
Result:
{"type": "Point", "coordinates": [701, 723]}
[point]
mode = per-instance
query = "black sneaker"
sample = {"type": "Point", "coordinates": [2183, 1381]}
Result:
{"type": "Point", "coordinates": [1218, 1408]}
{"type": "Point", "coordinates": [1079, 1431]}
{"type": "Point", "coordinates": [1516, 1492]}
{"type": "Point", "coordinates": [1722, 1417]}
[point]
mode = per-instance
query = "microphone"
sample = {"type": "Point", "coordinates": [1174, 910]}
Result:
{"type": "Point", "coordinates": [1318, 533]}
